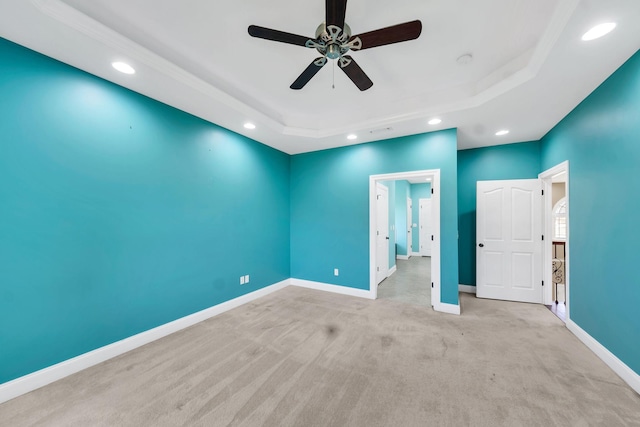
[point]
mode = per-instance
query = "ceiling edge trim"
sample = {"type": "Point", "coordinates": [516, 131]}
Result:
{"type": "Point", "coordinates": [101, 33]}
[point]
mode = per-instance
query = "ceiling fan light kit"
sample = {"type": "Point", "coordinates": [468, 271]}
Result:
{"type": "Point", "coordinates": [333, 40]}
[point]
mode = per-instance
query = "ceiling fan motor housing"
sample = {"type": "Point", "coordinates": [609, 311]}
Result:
{"type": "Point", "coordinates": [333, 42]}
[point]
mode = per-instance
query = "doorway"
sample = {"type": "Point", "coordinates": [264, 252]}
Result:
{"type": "Point", "coordinates": [431, 284]}
{"type": "Point", "coordinates": [409, 228]}
{"type": "Point", "coordinates": [555, 184]}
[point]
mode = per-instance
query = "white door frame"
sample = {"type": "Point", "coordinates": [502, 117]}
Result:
{"type": "Point", "coordinates": [434, 174]}
{"type": "Point", "coordinates": [547, 180]}
{"type": "Point", "coordinates": [385, 264]}
{"type": "Point", "coordinates": [409, 227]}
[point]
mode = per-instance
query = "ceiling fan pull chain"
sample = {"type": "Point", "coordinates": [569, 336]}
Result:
{"type": "Point", "coordinates": [333, 84]}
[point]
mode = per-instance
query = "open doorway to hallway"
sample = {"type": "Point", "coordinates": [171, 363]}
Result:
{"type": "Point", "coordinates": [406, 224]}
{"type": "Point", "coordinates": [556, 218]}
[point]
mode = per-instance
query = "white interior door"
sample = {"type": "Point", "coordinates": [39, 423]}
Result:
{"type": "Point", "coordinates": [425, 227]}
{"type": "Point", "coordinates": [509, 240]}
{"type": "Point", "coordinates": [409, 228]}
{"type": "Point", "coordinates": [382, 232]}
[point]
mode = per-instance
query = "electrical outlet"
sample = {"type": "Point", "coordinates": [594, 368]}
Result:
{"type": "Point", "coordinates": [242, 280]}
{"type": "Point", "coordinates": [336, 272]}
{"type": "Point", "coordinates": [246, 279]}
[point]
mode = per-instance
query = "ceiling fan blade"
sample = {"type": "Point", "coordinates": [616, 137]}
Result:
{"type": "Point", "coordinates": [394, 34]}
{"type": "Point", "coordinates": [277, 36]}
{"type": "Point", "coordinates": [355, 73]}
{"type": "Point", "coordinates": [308, 73]}
{"type": "Point", "coordinates": [335, 12]}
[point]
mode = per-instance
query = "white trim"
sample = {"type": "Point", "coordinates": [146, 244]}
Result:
{"type": "Point", "coordinates": [409, 226]}
{"type": "Point", "coordinates": [416, 254]}
{"type": "Point", "coordinates": [617, 365]}
{"type": "Point", "coordinates": [41, 378]}
{"type": "Point", "coordinates": [336, 289]}
{"type": "Point", "coordinates": [467, 289]}
{"type": "Point", "coordinates": [392, 270]}
{"type": "Point", "coordinates": [404, 257]}
{"type": "Point", "coordinates": [447, 308]}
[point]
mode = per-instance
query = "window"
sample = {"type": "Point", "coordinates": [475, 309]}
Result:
{"type": "Point", "coordinates": [560, 220]}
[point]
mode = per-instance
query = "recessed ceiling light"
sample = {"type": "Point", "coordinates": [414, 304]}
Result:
{"type": "Point", "coordinates": [599, 31]}
{"type": "Point", "coordinates": [465, 59]}
{"type": "Point", "coordinates": [249, 126]}
{"type": "Point", "coordinates": [352, 136]}
{"type": "Point", "coordinates": [502, 132]}
{"type": "Point", "coordinates": [435, 121]}
{"type": "Point", "coordinates": [123, 68]}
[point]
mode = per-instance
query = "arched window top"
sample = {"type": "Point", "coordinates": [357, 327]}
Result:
{"type": "Point", "coordinates": [561, 207]}
{"type": "Point", "coordinates": [560, 220]}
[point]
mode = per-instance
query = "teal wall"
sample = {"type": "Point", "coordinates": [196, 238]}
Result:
{"type": "Point", "coordinates": [512, 161]}
{"type": "Point", "coordinates": [330, 206]}
{"type": "Point", "coordinates": [601, 140]}
{"type": "Point", "coordinates": [119, 213]}
{"type": "Point", "coordinates": [403, 190]}
{"type": "Point", "coordinates": [418, 191]}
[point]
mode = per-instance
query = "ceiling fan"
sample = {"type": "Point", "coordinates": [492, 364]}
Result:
{"type": "Point", "coordinates": [333, 40]}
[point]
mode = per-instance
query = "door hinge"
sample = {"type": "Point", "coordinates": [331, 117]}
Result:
{"type": "Point", "coordinates": [432, 237]}
{"type": "Point", "coordinates": [377, 268]}
{"type": "Point", "coordinates": [543, 237]}
{"type": "Point", "coordinates": [378, 197]}
{"type": "Point", "coordinates": [432, 191]}
{"type": "Point", "coordinates": [543, 283]}
{"type": "Point", "coordinates": [543, 192]}
{"type": "Point", "coordinates": [432, 284]}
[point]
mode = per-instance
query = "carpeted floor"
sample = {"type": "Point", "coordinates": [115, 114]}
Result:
{"type": "Point", "coordinates": [300, 357]}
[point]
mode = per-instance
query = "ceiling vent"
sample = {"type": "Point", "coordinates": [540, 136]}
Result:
{"type": "Point", "coordinates": [380, 130]}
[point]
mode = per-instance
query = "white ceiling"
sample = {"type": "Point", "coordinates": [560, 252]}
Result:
{"type": "Point", "coordinates": [529, 66]}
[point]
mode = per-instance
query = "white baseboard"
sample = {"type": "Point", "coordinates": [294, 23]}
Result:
{"type": "Point", "coordinates": [392, 270]}
{"type": "Point", "coordinates": [467, 289]}
{"type": "Point", "coordinates": [416, 254]}
{"type": "Point", "coordinates": [618, 366]}
{"type": "Point", "coordinates": [336, 289]}
{"type": "Point", "coordinates": [447, 308]}
{"type": "Point", "coordinates": [35, 380]}
{"type": "Point", "coordinates": [405, 257]}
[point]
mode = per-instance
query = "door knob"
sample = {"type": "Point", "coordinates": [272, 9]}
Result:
{"type": "Point", "coordinates": [481, 245]}
{"type": "Point", "coordinates": [387, 237]}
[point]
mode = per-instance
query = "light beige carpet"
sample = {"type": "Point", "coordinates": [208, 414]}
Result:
{"type": "Point", "coordinates": [300, 357]}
